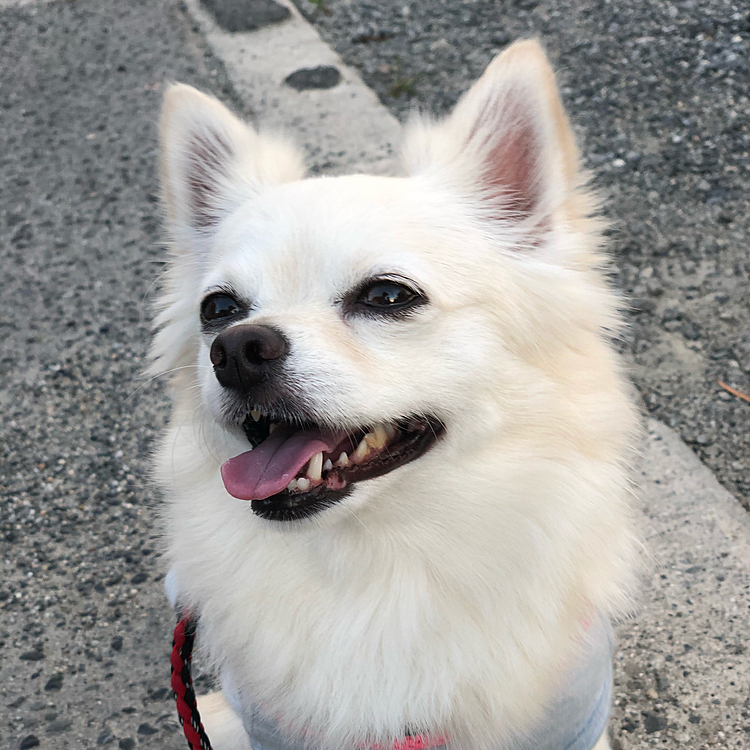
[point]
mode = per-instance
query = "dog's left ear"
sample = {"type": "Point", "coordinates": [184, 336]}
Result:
{"type": "Point", "coordinates": [507, 143]}
{"type": "Point", "coordinates": [211, 162]}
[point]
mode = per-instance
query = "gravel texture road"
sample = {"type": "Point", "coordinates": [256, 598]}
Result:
{"type": "Point", "coordinates": [84, 626]}
{"type": "Point", "coordinates": [658, 92]}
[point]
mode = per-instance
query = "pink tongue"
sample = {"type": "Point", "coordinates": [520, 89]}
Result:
{"type": "Point", "coordinates": [270, 467]}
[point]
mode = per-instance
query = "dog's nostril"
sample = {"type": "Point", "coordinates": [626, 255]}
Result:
{"type": "Point", "coordinates": [265, 346]}
{"type": "Point", "coordinates": [273, 347]}
{"type": "Point", "coordinates": [218, 355]}
{"type": "Point", "coordinates": [252, 352]}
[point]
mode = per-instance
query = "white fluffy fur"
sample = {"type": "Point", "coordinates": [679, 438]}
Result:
{"type": "Point", "coordinates": [447, 594]}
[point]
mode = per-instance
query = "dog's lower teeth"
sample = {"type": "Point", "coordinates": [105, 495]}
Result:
{"type": "Point", "coordinates": [315, 467]}
{"type": "Point", "coordinates": [373, 443]}
{"type": "Point", "coordinates": [342, 460]}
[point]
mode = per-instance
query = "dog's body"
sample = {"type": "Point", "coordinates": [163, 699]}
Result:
{"type": "Point", "coordinates": [440, 578]}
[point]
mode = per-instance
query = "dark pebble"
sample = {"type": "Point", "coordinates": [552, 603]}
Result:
{"type": "Point", "coordinates": [662, 681]}
{"type": "Point", "coordinates": [147, 729]}
{"type": "Point", "coordinates": [61, 725]}
{"type": "Point", "coordinates": [29, 741]}
{"type": "Point", "coordinates": [642, 305]}
{"type": "Point", "coordinates": [322, 77]}
{"type": "Point", "coordinates": [653, 723]}
{"type": "Point", "coordinates": [671, 313]}
{"type": "Point", "coordinates": [116, 643]}
{"type": "Point", "coordinates": [246, 15]}
{"type": "Point", "coordinates": [160, 694]}
{"type": "Point", "coordinates": [690, 331]}
{"type": "Point", "coordinates": [35, 655]}
{"type": "Point", "coordinates": [105, 738]}
{"type": "Point", "coordinates": [55, 682]}
{"type": "Point", "coordinates": [127, 743]}
{"type": "Point", "coordinates": [139, 578]}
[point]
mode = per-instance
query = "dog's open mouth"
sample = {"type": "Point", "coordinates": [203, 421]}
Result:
{"type": "Point", "coordinates": [296, 470]}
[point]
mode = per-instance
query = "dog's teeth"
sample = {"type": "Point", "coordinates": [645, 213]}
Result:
{"type": "Point", "coordinates": [327, 466]}
{"type": "Point", "coordinates": [292, 485]}
{"type": "Point", "coordinates": [377, 438]}
{"type": "Point", "coordinates": [342, 460]}
{"type": "Point", "coordinates": [272, 427]}
{"type": "Point", "coordinates": [315, 467]}
{"type": "Point", "coordinates": [390, 430]}
{"type": "Point", "coordinates": [361, 450]}
{"type": "Point", "coordinates": [303, 484]}
{"type": "Point", "coordinates": [255, 414]}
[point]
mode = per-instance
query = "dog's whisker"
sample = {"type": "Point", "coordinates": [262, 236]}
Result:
{"type": "Point", "coordinates": [156, 280]}
{"type": "Point", "coordinates": [351, 511]}
{"type": "Point", "coordinates": [158, 375]}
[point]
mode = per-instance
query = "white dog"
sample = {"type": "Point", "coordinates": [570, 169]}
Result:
{"type": "Point", "coordinates": [396, 471]}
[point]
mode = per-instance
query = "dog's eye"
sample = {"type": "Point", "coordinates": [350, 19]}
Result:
{"type": "Point", "coordinates": [219, 306]}
{"type": "Point", "coordinates": [388, 296]}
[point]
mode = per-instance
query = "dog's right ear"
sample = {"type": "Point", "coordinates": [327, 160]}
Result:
{"type": "Point", "coordinates": [211, 162]}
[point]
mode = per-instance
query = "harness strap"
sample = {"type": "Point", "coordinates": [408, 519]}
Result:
{"type": "Point", "coordinates": [182, 684]}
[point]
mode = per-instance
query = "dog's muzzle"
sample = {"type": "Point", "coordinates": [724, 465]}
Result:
{"type": "Point", "coordinates": [297, 467]}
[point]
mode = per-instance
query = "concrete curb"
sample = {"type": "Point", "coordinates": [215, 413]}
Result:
{"type": "Point", "coordinates": [681, 671]}
{"type": "Point", "coordinates": [342, 129]}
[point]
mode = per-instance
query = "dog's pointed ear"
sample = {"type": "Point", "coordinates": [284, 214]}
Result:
{"type": "Point", "coordinates": [507, 142]}
{"type": "Point", "coordinates": [211, 162]}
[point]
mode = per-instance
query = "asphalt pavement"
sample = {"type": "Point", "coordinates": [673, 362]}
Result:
{"type": "Point", "coordinates": [84, 628]}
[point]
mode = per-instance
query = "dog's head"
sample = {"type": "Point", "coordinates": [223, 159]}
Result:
{"type": "Point", "coordinates": [346, 332]}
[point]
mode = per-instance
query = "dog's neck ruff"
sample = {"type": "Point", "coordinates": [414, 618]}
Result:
{"type": "Point", "coordinates": [574, 720]}
{"type": "Point", "coordinates": [187, 708]}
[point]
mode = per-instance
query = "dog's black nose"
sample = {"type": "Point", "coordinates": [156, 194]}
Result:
{"type": "Point", "coordinates": [246, 355]}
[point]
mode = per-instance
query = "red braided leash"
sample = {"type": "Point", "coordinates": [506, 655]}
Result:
{"type": "Point", "coordinates": [182, 684]}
